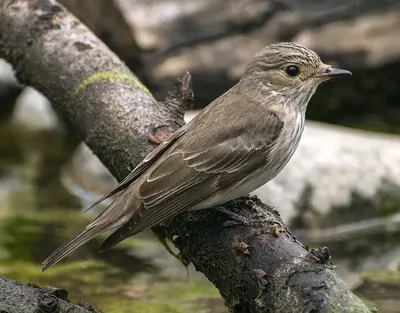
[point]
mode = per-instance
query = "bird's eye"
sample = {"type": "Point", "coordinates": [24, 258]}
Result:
{"type": "Point", "coordinates": [292, 70]}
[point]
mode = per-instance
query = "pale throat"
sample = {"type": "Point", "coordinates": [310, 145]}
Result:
{"type": "Point", "coordinates": [293, 100]}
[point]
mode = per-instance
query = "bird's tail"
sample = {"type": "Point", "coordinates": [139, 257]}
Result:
{"type": "Point", "coordinates": [75, 242]}
{"type": "Point", "coordinates": [112, 217]}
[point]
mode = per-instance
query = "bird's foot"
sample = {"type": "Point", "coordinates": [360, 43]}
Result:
{"type": "Point", "coordinates": [185, 262]}
{"type": "Point", "coordinates": [237, 219]}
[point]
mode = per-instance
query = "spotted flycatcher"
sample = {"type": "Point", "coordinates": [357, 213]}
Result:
{"type": "Point", "coordinates": [236, 144]}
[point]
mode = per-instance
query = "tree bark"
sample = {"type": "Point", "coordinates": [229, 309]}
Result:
{"type": "Point", "coordinates": [258, 268]}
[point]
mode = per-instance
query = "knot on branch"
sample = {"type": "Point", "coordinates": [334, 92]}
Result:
{"type": "Point", "coordinates": [180, 97]}
{"type": "Point", "coordinates": [48, 303]}
{"type": "Point", "coordinates": [320, 255]}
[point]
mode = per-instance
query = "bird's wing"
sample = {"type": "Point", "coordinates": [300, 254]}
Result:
{"type": "Point", "coordinates": [142, 167]}
{"type": "Point", "coordinates": [196, 171]}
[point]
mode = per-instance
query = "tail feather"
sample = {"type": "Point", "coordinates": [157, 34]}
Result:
{"type": "Point", "coordinates": [75, 242]}
{"type": "Point", "coordinates": [111, 218]}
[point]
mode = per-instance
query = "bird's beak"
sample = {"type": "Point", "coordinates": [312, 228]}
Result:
{"type": "Point", "coordinates": [332, 72]}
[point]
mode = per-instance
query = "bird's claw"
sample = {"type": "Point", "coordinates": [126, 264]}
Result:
{"type": "Point", "coordinates": [237, 219]}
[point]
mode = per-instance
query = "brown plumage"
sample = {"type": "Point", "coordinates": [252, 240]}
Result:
{"type": "Point", "coordinates": [236, 144]}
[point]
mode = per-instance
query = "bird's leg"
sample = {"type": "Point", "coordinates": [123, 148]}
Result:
{"type": "Point", "coordinates": [185, 262]}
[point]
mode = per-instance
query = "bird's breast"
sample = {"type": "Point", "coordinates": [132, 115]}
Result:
{"type": "Point", "coordinates": [286, 144]}
{"type": "Point", "coordinates": [280, 154]}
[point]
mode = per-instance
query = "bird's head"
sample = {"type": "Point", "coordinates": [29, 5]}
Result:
{"type": "Point", "coordinates": [289, 71]}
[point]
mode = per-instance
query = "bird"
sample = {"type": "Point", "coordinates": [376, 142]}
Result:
{"type": "Point", "coordinates": [236, 144]}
